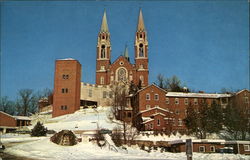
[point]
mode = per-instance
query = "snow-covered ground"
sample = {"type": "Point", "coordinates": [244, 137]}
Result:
{"type": "Point", "coordinates": [86, 119]}
{"type": "Point", "coordinates": [43, 148]}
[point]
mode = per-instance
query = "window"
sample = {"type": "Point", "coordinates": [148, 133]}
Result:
{"type": "Point", "coordinates": [129, 115]}
{"type": "Point", "coordinates": [121, 74]}
{"type": "Point", "coordinates": [142, 79]}
{"type": "Point", "coordinates": [224, 100]}
{"type": "Point", "coordinates": [148, 106]}
{"type": "Point", "coordinates": [167, 100]}
{"type": "Point", "coordinates": [147, 96]}
{"type": "Point", "coordinates": [110, 94]}
{"type": "Point", "coordinates": [112, 78]}
{"type": "Point", "coordinates": [141, 66]}
{"type": "Point", "coordinates": [202, 149]}
{"type": "Point", "coordinates": [246, 147]}
{"type": "Point", "coordinates": [173, 121]}
{"type": "Point", "coordinates": [102, 80]}
{"type": "Point", "coordinates": [156, 106]}
{"type": "Point", "coordinates": [64, 107]}
{"type": "Point", "coordinates": [195, 101]}
{"type": "Point", "coordinates": [212, 149]}
{"type": "Point", "coordinates": [176, 100]}
{"type": "Point", "coordinates": [151, 125]}
{"type": "Point", "coordinates": [177, 112]}
{"type": "Point", "coordinates": [156, 97]}
{"type": "Point", "coordinates": [130, 77]}
{"type": "Point", "coordinates": [90, 92]}
{"type": "Point", "coordinates": [103, 51]}
{"type": "Point", "coordinates": [102, 68]}
{"type": "Point", "coordinates": [104, 94]}
{"type": "Point", "coordinates": [64, 90]}
{"type": "Point", "coordinates": [65, 76]}
{"type": "Point", "coordinates": [158, 122]}
{"type": "Point", "coordinates": [186, 101]}
{"type": "Point", "coordinates": [179, 122]}
{"type": "Point", "coordinates": [141, 52]}
{"type": "Point", "coordinates": [246, 100]}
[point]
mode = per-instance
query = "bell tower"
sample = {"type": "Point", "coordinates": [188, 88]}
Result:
{"type": "Point", "coordinates": [103, 53]}
{"type": "Point", "coordinates": [141, 52]}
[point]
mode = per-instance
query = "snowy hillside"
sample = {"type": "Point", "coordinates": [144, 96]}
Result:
{"type": "Point", "coordinates": [87, 119]}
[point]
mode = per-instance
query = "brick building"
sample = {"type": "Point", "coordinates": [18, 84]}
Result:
{"type": "Point", "coordinates": [122, 69]}
{"type": "Point", "coordinates": [67, 86]}
{"type": "Point", "coordinates": [158, 110]}
{"type": "Point", "coordinates": [10, 123]}
{"type": "Point", "coordinates": [150, 110]}
{"type": "Point", "coordinates": [177, 102]}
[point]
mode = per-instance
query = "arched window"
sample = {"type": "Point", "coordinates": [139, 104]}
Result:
{"type": "Point", "coordinates": [103, 54]}
{"type": "Point", "coordinates": [121, 74]}
{"type": "Point", "coordinates": [141, 52]}
{"type": "Point", "coordinates": [102, 80]}
{"type": "Point", "coordinates": [142, 79]}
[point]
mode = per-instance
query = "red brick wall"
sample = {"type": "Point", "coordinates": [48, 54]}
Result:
{"type": "Point", "coordinates": [179, 110]}
{"type": "Point", "coordinates": [7, 120]}
{"type": "Point", "coordinates": [73, 84]}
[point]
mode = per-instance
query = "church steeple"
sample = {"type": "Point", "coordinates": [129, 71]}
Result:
{"type": "Point", "coordinates": [103, 53]}
{"type": "Point", "coordinates": [125, 54]}
{"type": "Point", "coordinates": [140, 25]}
{"type": "Point", "coordinates": [141, 52]}
{"type": "Point", "coordinates": [104, 27]}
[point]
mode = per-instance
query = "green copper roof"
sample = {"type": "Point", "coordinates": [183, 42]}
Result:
{"type": "Point", "coordinates": [125, 54]}
{"type": "Point", "coordinates": [104, 27]}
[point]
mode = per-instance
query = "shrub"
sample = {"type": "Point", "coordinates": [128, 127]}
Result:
{"type": "Point", "coordinates": [117, 137]}
{"type": "Point", "coordinates": [39, 130]}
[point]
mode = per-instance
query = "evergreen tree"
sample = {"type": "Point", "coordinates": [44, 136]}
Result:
{"type": "Point", "coordinates": [39, 130]}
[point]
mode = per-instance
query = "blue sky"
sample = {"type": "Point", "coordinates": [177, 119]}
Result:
{"type": "Point", "coordinates": [204, 43]}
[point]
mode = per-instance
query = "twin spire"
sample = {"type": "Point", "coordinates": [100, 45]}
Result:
{"type": "Point", "coordinates": [140, 25]}
{"type": "Point", "coordinates": [105, 28]}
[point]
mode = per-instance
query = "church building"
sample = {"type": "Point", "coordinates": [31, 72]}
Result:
{"type": "Point", "coordinates": [122, 69]}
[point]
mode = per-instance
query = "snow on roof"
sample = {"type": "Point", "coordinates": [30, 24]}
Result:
{"type": "Point", "coordinates": [153, 109]}
{"type": "Point", "coordinates": [242, 91]}
{"type": "Point", "coordinates": [6, 114]}
{"type": "Point", "coordinates": [198, 141]}
{"type": "Point", "coordinates": [197, 95]}
{"type": "Point", "coordinates": [22, 118]}
{"type": "Point", "coordinates": [146, 118]}
{"type": "Point", "coordinates": [67, 59]}
{"type": "Point", "coordinates": [148, 121]}
{"type": "Point", "coordinates": [237, 142]}
{"type": "Point", "coordinates": [159, 114]}
{"type": "Point", "coordinates": [150, 86]}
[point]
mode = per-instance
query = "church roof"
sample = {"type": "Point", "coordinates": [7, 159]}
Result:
{"type": "Point", "coordinates": [104, 27]}
{"type": "Point", "coordinates": [140, 25]}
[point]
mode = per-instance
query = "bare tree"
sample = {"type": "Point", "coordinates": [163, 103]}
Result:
{"type": "Point", "coordinates": [119, 104]}
{"type": "Point", "coordinates": [26, 102]}
{"type": "Point", "coordinates": [161, 81]}
{"type": "Point", "coordinates": [7, 105]}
